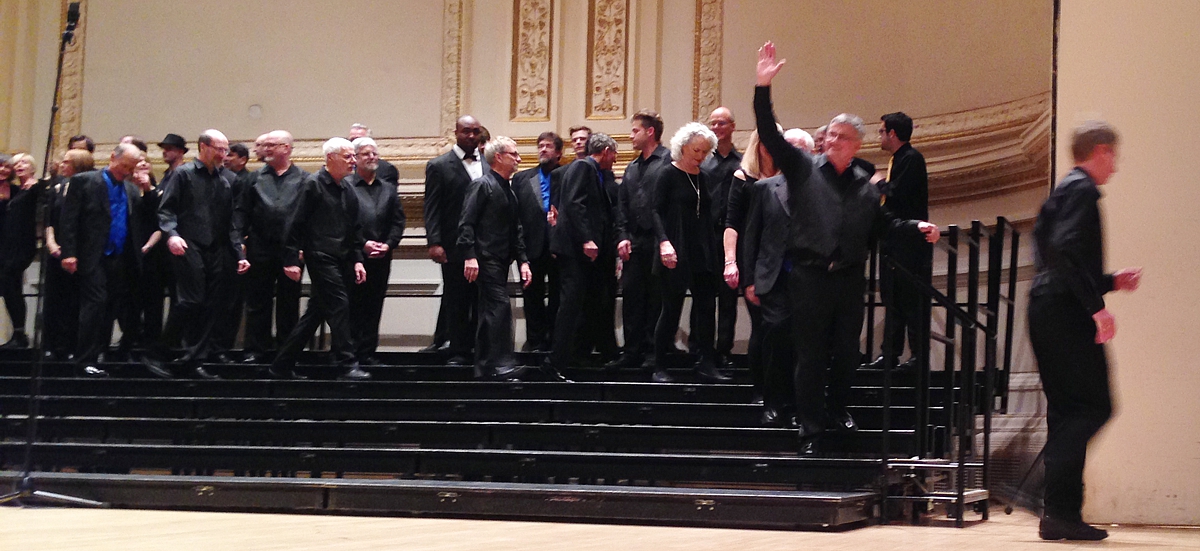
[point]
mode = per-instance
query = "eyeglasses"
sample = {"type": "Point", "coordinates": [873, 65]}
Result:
{"type": "Point", "coordinates": [221, 150]}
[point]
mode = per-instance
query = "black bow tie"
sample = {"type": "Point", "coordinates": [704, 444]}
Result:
{"type": "Point", "coordinates": [470, 157]}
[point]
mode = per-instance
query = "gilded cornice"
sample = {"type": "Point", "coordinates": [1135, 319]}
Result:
{"type": "Point", "coordinates": [69, 120]}
{"type": "Point", "coordinates": [706, 85]}
{"type": "Point", "coordinates": [608, 55]}
{"type": "Point", "coordinates": [452, 46]}
{"type": "Point", "coordinates": [533, 35]}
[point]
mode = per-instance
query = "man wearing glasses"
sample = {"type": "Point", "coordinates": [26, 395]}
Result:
{"type": "Point", "coordinates": [196, 213]}
{"type": "Point", "coordinates": [259, 219]}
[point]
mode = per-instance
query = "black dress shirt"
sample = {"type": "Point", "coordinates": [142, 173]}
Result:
{"type": "Point", "coordinates": [683, 216]}
{"type": "Point", "coordinates": [326, 221]}
{"type": "Point", "coordinates": [907, 190]}
{"type": "Point", "coordinates": [636, 196]}
{"type": "Point", "coordinates": [267, 202]}
{"type": "Point", "coordinates": [197, 205]}
{"type": "Point", "coordinates": [720, 177]}
{"type": "Point", "coordinates": [490, 228]}
{"type": "Point", "coordinates": [379, 209]}
{"type": "Point", "coordinates": [834, 216]}
{"type": "Point", "coordinates": [1069, 243]}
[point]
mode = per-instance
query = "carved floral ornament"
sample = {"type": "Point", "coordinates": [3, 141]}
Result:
{"type": "Point", "coordinates": [608, 47]}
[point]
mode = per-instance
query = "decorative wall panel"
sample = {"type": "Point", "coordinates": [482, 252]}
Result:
{"type": "Point", "coordinates": [608, 58]}
{"type": "Point", "coordinates": [452, 45]}
{"type": "Point", "coordinates": [70, 111]}
{"type": "Point", "coordinates": [706, 88]}
{"type": "Point", "coordinates": [533, 36]}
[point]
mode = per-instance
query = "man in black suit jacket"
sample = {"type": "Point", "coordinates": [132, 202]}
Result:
{"type": "Point", "coordinates": [446, 179]}
{"type": "Point", "coordinates": [196, 214]}
{"type": "Point", "coordinates": [489, 239]}
{"type": "Point", "coordinates": [103, 253]}
{"type": "Point", "coordinates": [532, 188]}
{"type": "Point", "coordinates": [585, 231]}
{"type": "Point", "coordinates": [905, 188]}
{"type": "Point", "coordinates": [764, 244]}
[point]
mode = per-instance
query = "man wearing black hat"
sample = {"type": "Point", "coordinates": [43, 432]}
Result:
{"type": "Point", "coordinates": [174, 147]}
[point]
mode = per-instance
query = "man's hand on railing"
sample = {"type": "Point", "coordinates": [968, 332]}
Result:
{"type": "Point", "coordinates": [1106, 326]}
{"type": "Point", "coordinates": [1127, 279]}
{"type": "Point", "coordinates": [930, 230]}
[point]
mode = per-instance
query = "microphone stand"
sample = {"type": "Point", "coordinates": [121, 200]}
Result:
{"type": "Point", "coordinates": [26, 487]}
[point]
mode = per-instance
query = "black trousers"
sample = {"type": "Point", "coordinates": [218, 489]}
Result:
{"type": "Point", "coordinates": [827, 319]}
{"type": "Point", "coordinates": [600, 319]}
{"type": "Point", "coordinates": [583, 284]}
{"type": "Point", "coordinates": [61, 309]}
{"type": "Point", "coordinates": [904, 315]}
{"type": "Point", "coordinates": [156, 283]}
{"type": "Point", "coordinates": [641, 301]}
{"type": "Point", "coordinates": [776, 353]}
{"type": "Point", "coordinates": [202, 299]}
{"type": "Point", "coordinates": [268, 289]}
{"type": "Point", "coordinates": [1074, 372]}
{"type": "Point", "coordinates": [754, 358]}
{"type": "Point", "coordinates": [366, 306]}
{"type": "Point", "coordinates": [704, 295]}
{"type": "Point", "coordinates": [105, 295]}
{"type": "Point", "coordinates": [328, 303]}
{"type": "Point", "coordinates": [494, 335]}
{"type": "Point", "coordinates": [12, 282]}
{"type": "Point", "coordinates": [226, 329]}
{"type": "Point", "coordinates": [458, 301]}
{"type": "Point", "coordinates": [540, 300]}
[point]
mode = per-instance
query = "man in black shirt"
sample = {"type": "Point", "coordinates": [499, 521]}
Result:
{"type": "Point", "coordinates": [533, 188]}
{"type": "Point", "coordinates": [641, 298]}
{"type": "Point", "coordinates": [235, 162]}
{"type": "Point", "coordinates": [835, 212]}
{"type": "Point", "coordinates": [719, 168]}
{"type": "Point", "coordinates": [386, 171]}
{"type": "Point", "coordinates": [489, 238]}
{"type": "Point", "coordinates": [196, 213]}
{"type": "Point", "coordinates": [174, 147]}
{"type": "Point", "coordinates": [327, 229]}
{"type": "Point", "coordinates": [1069, 324]}
{"type": "Point", "coordinates": [382, 219]}
{"type": "Point", "coordinates": [446, 179]}
{"type": "Point", "coordinates": [259, 229]}
{"type": "Point", "coordinates": [905, 188]}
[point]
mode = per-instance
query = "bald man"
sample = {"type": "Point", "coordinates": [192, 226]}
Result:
{"type": "Point", "coordinates": [196, 214]}
{"type": "Point", "coordinates": [719, 167]}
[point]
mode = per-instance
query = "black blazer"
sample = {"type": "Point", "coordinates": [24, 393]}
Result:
{"type": "Point", "coordinates": [83, 230]}
{"type": "Point", "coordinates": [446, 181]}
{"type": "Point", "coordinates": [764, 242]}
{"type": "Point", "coordinates": [1069, 243]}
{"type": "Point", "coordinates": [586, 211]}
{"type": "Point", "coordinates": [490, 227]}
{"type": "Point", "coordinates": [527, 185]}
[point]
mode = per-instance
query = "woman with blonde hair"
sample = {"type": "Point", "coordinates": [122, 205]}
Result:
{"type": "Point", "coordinates": [19, 192]}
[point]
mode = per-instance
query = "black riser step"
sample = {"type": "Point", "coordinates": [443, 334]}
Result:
{"type": "Point", "coordinates": [559, 502]}
{"type": "Point", "coordinates": [539, 436]}
{"type": "Point", "coordinates": [495, 465]}
{"type": "Point", "coordinates": [532, 411]}
{"type": "Point", "coordinates": [614, 392]}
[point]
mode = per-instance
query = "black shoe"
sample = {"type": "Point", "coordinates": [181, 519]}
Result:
{"type": "Point", "coordinates": [771, 417]}
{"type": "Point", "coordinates": [202, 373]}
{"type": "Point", "coordinates": [1054, 529]}
{"type": "Point", "coordinates": [841, 421]}
{"type": "Point", "coordinates": [507, 373]}
{"type": "Point", "coordinates": [155, 367]}
{"type": "Point", "coordinates": [808, 429]}
{"type": "Point", "coordinates": [252, 358]}
{"type": "Point", "coordinates": [661, 376]}
{"type": "Point", "coordinates": [370, 361]}
{"type": "Point", "coordinates": [224, 358]}
{"type": "Point", "coordinates": [433, 347]}
{"type": "Point", "coordinates": [18, 340]}
{"type": "Point", "coordinates": [355, 373]}
{"type": "Point", "coordinates": [909, 366]}
{"type": "Point", "coordinates": [92, 372]}
{"type": "Point", "coordinates": [707, 371]}
{"type": "Point", "coordinates": [457, 361]}
{"type": "Point", "coordinates": [725, 361]}
{"type": "Point", "coordinates": [625, 360]}
{"type": "Point", "coordinates": [757, 398]}
{"type": "Point", "coordinates": [649, 364]}
{"type": "Point", "coordinates": [281, 372]}
{"type": "Point", "coordinates": [551, 372]}
{"type": "Point", "coordinates": [877, 363]}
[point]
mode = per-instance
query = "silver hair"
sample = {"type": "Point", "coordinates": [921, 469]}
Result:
{"type": "Point", "coordinates": [494, 146]}
{"type": "Point", "coordinates": [801, 135]}
{"type": "Point", "coordinates": [600, 141]}
{"type": "Point", "coordinates": [359, 125]}
{"type": "Point", "coordinates": [362, 142]}
{"type": "Point", "coordinates": [852, 120]}
{"type": "Point", "coordinates": [689, 132]}
{"type": "Point", "coordinates": [336, 145]}
{"type": "Point", "coordinates": [125, 148]}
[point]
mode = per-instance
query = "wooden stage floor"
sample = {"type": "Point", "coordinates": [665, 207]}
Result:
{"type": "Point", "coordinates": [127, 530]}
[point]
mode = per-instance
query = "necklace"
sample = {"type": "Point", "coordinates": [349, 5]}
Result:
{"type": "Point", "coordinates": [695, 186]}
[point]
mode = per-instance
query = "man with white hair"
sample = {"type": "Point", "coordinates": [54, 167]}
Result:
{"type": "Point", "coordinates": [327, 229]}
{"type": "Point", "coordinates": [387, 171]}
{"type": "Point", "coordinates": [196, 214]}
{"type": "Point", "coordinates": [800, 139]}
{"type": "Point", "coordinates": [382, 219]}
{"type": "Point", "coordinates": [489, 238]}
{"type": "Point", "coordinates": [259, 221]}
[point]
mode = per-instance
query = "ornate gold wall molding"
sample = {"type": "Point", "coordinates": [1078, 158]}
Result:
{"type": "Point", "coordinates": [69, 121]}
{"type": "Point", "coordinates": [608, 59]}
{"type": "Point", "coordinates": [706, 86]}
{"type": "Point", "coordinates": [533, 35]}
{"type": "Point", "coordinates": [452, 46]}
